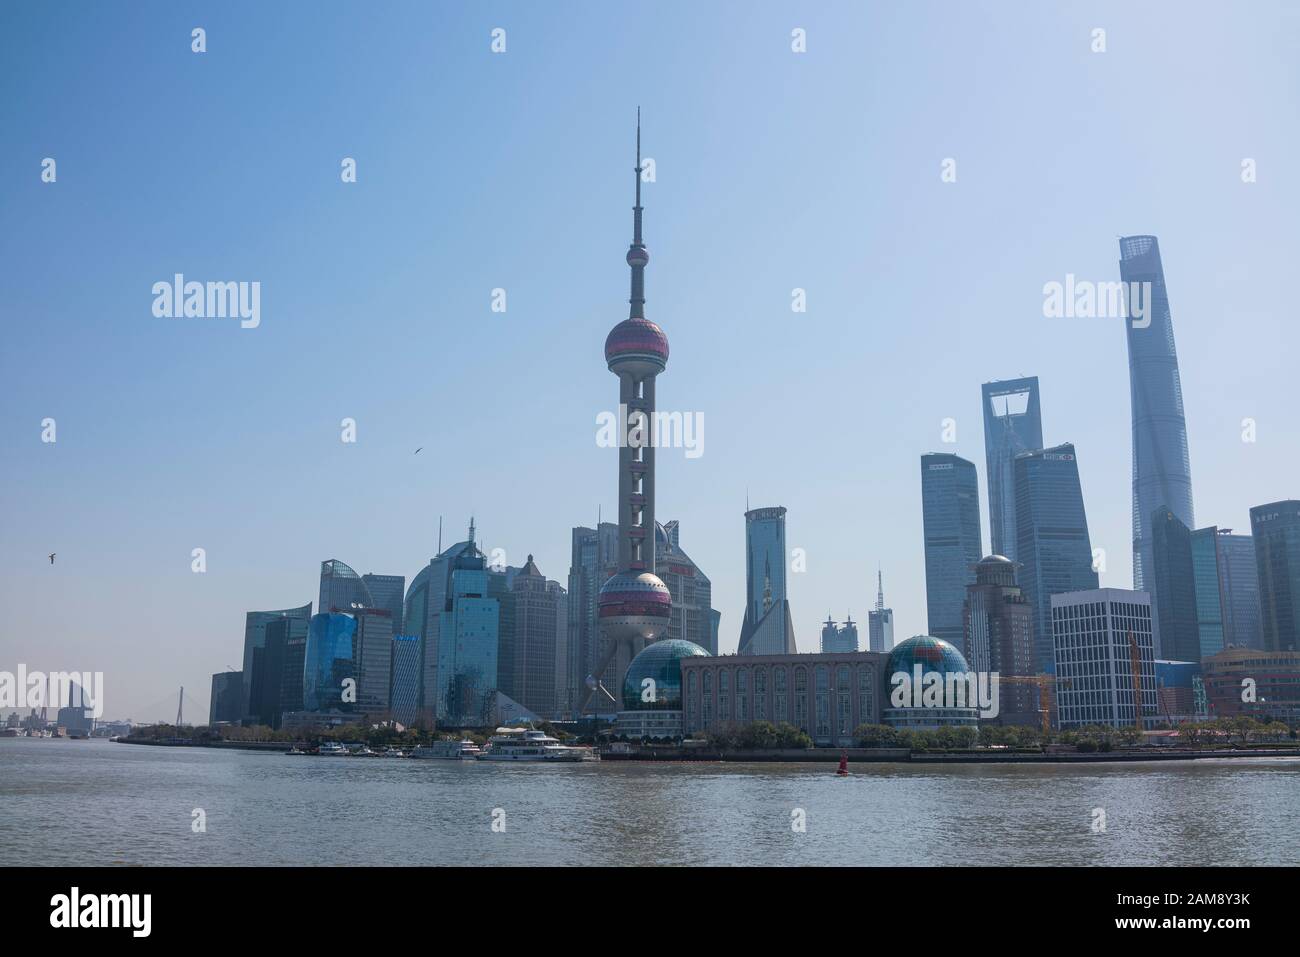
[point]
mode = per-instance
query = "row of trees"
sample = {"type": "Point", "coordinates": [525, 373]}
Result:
{"type": "Point", "coordinates": [883, 736]}
{"type": "Point", "coordinates": [374, 736]}
{"type": "Point", "coordinates": [756, 735]}
{"type": "Point", "coordinates": [1240, 730]}
{"type": "Point", "coordinates": [767, 735]}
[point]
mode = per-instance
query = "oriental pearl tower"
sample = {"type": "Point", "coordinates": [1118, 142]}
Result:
{"type": "Point", "coordinates": [634, 607]}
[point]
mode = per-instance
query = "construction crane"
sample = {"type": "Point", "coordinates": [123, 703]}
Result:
{"type": "Point", "coordinates": [1135, 663]}
{"type": "Point", "coordinates": [1044, 683]}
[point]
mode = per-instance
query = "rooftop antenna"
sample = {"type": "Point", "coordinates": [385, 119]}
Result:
{"type": "Point", "coordinates": [439, 534]}
{"type": "Point", "coordinates": [636, 255]}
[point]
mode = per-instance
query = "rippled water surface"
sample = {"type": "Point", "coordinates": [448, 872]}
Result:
{"type": "Point", "coordinates": [96, 802]}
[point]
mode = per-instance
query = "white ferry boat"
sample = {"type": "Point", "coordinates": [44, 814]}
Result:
{"type": "Point", "coordinates": [332, 749]}
{"type": "Point", "coordinates": [447, 750]}
{"type": "Point", "coordinates": [526, 744]}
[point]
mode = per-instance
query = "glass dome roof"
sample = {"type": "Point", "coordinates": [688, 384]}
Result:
{"type": "Point", "coordinates": [932, 654]}
{"type": "Point", "coordinates": [658, 661]}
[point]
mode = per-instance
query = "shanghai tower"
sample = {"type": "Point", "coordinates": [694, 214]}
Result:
{"type": "Point", "coordinates": [1162, 474]}
{"type": "Point", "coordinates": [635, 606]}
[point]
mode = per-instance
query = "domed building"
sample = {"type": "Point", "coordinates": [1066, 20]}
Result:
{"type": "Point", "coordinates": [652, 690]}
{"type": "Point", "coordinates": [916, 700]}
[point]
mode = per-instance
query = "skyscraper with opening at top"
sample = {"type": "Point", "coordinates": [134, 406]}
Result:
{"type": "Point", "coordinates": [1013, 423]}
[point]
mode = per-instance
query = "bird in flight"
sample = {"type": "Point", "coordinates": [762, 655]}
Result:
{"type": "Point", "coordinates": [51, 558]}
{"type": "Point", "coordinates": [417, 451]}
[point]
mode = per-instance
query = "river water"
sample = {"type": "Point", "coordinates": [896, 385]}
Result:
{"type": "Point", "coordinates": [96, 803]}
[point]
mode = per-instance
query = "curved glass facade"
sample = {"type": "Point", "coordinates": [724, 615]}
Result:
{"type": "Point", "coordinates": [328, 662]}
{"type": "Point", "coordinates": [1162, 473]}
{"type": "Point", "coordinates": [659, 662]}
{"type": "Point", "coordinates": [932, 654]}
{"type": "Point", "coordinates": [341, 587]}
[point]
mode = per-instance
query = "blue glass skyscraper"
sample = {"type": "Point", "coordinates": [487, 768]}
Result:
{"type": "Point", "coordinates": [1276, 530]}
{"type": "Point", "coordinates": [1171, 579]}
{"type": "Point", "coordinates": [1013, 424]}
{"type": "Point", "coordinates": [468, 645]}
{"type": "Point", "coordinates": [767, 628]}
{"type": "Point", "coordinates": [1162, 473]}
{"type": "Point", "coordinates": [329, 662]}
{"type": "Point", "coordinates": [950, 514]}
{"type": "Point", "coordinates": [404, 692]}
{"type": "Point", "coordinates": [1207, 556]}
{"type": "Point", "coordinates": [1055, 552]}
{"type": "Point", "coordinates": [1239, 580]}
{"type": "Point", "coordinates": [426, 600]}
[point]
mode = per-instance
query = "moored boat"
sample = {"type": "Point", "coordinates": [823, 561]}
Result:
{"type": "Point", "coordinates": [447, 750]}
{"type": "Point", "coordinates": [528, 744]}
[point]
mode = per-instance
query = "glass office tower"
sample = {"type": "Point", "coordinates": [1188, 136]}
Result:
{"type": "Point", "coordinates": [594, 559]}
{"type": "Point", "coordinates": [950, 515]}
{"type": "Point", "coordinates": [1172, 583]}
{"type": "Point", "coordinates": [277, 671]}
{"type": "Point", "coordinates": [1276, 530]}
{"type": "Point", "coordinates": [1055, 552]}
{"type": "Point", "coordinates": [691, 589]}
{"type": "Point", "coordinates": [341, 587]}
{"type": "Point", "coordinates": [387, 592]}
{"type": "Point", "coordinates": [468, 645]}
{"type": "Point", "coordinates": [329, 661]}
{"type": "Point", "coordinates": [425, 601]}
{"type": "Point", "coordinates": [1162, 473]}
{"type": "Point", "coordinates": [1012, 424]}
{"type": "Point", "coordinates": [1206, 558]}
{"type": "Point", "coordinates": [404, 692]}
{"type": "Point", "coordinates": [1239, 579]}
{"type": "Point", "coordinates": [254, 642]}
{"type": "Point", "coordinates": [767, 628]}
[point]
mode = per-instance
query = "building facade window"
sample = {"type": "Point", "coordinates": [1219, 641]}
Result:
{"type": "Point", "coordinates": [866, 694]}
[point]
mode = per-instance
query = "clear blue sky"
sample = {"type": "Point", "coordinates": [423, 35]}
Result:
{"type": "Point", "coordinates": [775, 170]}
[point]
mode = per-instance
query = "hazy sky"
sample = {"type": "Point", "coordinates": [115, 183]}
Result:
{"type": "Point", "coordinates": [775, 170]}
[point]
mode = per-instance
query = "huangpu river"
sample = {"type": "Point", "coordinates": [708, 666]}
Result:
{"type": "Point", "coordinates": [102, 803]}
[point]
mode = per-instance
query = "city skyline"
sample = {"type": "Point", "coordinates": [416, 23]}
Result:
{"type": "Point", "coordinates": [163, 456]}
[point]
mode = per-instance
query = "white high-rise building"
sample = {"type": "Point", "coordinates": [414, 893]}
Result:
{"type": "Point", "coordinates": [1098, 637]}
{"type": "Point", "coordinates": [880, 622]}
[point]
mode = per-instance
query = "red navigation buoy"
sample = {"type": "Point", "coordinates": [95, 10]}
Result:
{"type": "Point", "coordinates": [844, 763]}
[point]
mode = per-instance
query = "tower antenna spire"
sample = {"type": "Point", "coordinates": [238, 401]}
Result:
{"type": "Point", "coordinates": [637, 256]}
